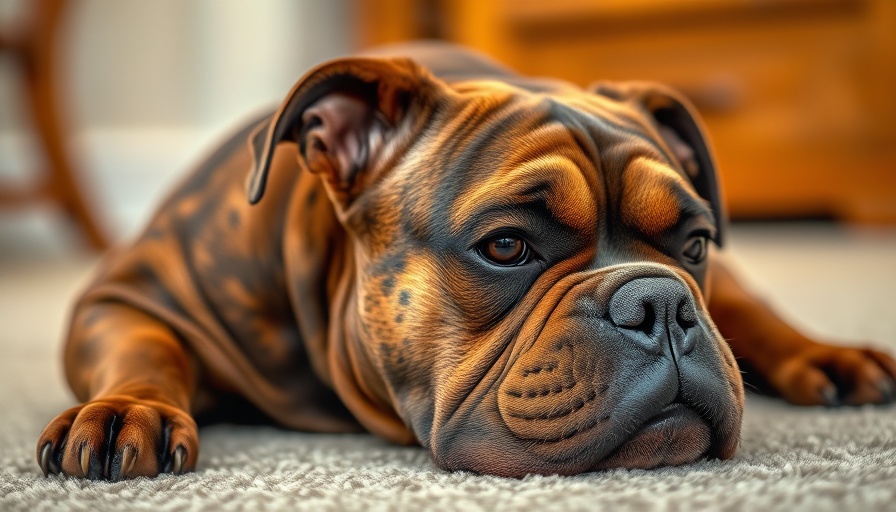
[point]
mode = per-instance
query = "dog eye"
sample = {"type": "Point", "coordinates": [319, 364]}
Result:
{"type": "Point", "coordinates": [504, 250]}
{"type": "Point", "coordinates": [695, 252]}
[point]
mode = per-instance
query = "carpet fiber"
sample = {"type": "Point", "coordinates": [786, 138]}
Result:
{"type": "Point", "coordinates": [790, 458]}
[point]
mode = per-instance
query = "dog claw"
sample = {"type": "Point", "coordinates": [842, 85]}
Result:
{"type": "Point", "coordinates": [180, 454]}
{"type": "Point", "coordinates": [128, 459]}
{"type": "Point", "coordinates": [830, 396]}
{"type": "Point", "coordinates": [886, 390]}
{"type": "Point", "coordinates": [85, 459]}
{"type": "Point", "coordinates": [45, 458]}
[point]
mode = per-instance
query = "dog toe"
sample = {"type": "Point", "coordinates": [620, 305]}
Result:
{"type": "Point", "coordinates": [52, 442]}
{"type": "Point", "coordinates": [860, 380]}
{"type": "Point", "coordinates": [88, 441]}
{"type": "Point", "coordinates": [804, 384]}
{"type": "Point", "coordinates": [136, 448]}
{"type": "Point", "coordinates": [182, 448]}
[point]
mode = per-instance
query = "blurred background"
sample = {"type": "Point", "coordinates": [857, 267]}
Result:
{"type": "Point", "coordinates": [104, 103]}
{"type": "Point", "coordinates": [799, 95]}
{"type": "Point", "coordinates": [129, 95]}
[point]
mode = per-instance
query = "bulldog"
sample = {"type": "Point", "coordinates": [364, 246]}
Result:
{"type": "Point", "coordinates": [518, 274]}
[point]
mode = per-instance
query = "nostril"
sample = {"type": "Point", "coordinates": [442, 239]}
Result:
{"type": "Point", "coordinates": [686, 315]}
{"type": "Point", "coordinates": [647, 325]}
{"type": "Point", "coordinates": [637, 317]}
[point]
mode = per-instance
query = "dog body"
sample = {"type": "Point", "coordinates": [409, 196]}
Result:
{"type": "Point", "coordinates": [514, 273]}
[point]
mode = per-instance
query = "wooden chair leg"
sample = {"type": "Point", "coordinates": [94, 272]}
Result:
{"type": "Point", "coordinates": [46, 110]}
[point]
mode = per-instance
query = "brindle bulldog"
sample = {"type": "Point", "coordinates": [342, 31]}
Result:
{"type": "Point", "coordinates": [514, 273]}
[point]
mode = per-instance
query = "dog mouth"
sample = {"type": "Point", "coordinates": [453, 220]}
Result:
{"type": "Point", "coordinates": [674, 436]}
{"type": "Point", "coordinates": [581, 393]}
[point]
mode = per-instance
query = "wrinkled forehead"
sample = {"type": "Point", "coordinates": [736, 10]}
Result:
{"type": "Point", "coordinates": [497, 150]}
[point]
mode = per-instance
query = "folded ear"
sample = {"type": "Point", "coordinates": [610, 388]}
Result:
{"type": "Point", "coordinates": [341, 114]}
{"type": "Point", "coordinates": [679, 126]}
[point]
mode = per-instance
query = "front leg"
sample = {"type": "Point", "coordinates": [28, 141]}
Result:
{"type": "Point", "coordinates": [779, 359]}
{"type": "Point", "coordinates": [136, 380]}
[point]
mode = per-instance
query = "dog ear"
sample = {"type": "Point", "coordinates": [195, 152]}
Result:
{"type": "Point", "coordinates": [341, 114]}
{"type": "Point", "coordinates": [679, 125]}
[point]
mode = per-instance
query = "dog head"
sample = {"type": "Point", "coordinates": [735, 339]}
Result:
{"type": "Point", "coordinates": [529, 266]}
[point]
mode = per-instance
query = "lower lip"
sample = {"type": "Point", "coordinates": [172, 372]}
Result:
{"type": "Point", "coordinates": [677, 435]}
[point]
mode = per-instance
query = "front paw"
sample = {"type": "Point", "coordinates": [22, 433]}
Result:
{"type": "Point", "coordinates": [119, 437]}
{"type": "Point", "coordinates": [830, 375]}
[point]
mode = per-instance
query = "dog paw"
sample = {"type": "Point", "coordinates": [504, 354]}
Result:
{"type": "Point", "coordinates": [119, 437]}
{"type": "Point", "coordinates": [831, 375]}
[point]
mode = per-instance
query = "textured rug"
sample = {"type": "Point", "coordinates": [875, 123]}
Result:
{"type": "Point", "coordinates": [840, 283]}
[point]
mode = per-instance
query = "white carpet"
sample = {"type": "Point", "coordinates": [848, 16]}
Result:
{"type": "Point", "coordinates": [790, 458]}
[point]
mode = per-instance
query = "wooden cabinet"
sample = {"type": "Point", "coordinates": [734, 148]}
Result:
{"type": "Point", "coordinates": [799, 96]}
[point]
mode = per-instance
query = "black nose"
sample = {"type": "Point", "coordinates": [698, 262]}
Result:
{"type": "Point", "coordinates": [655, 311]}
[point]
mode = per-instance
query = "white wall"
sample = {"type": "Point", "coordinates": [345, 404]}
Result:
{"type": "Point", "coordinates": [164, 62]}
{"type": "Point", "coordinates": [151, 84]}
